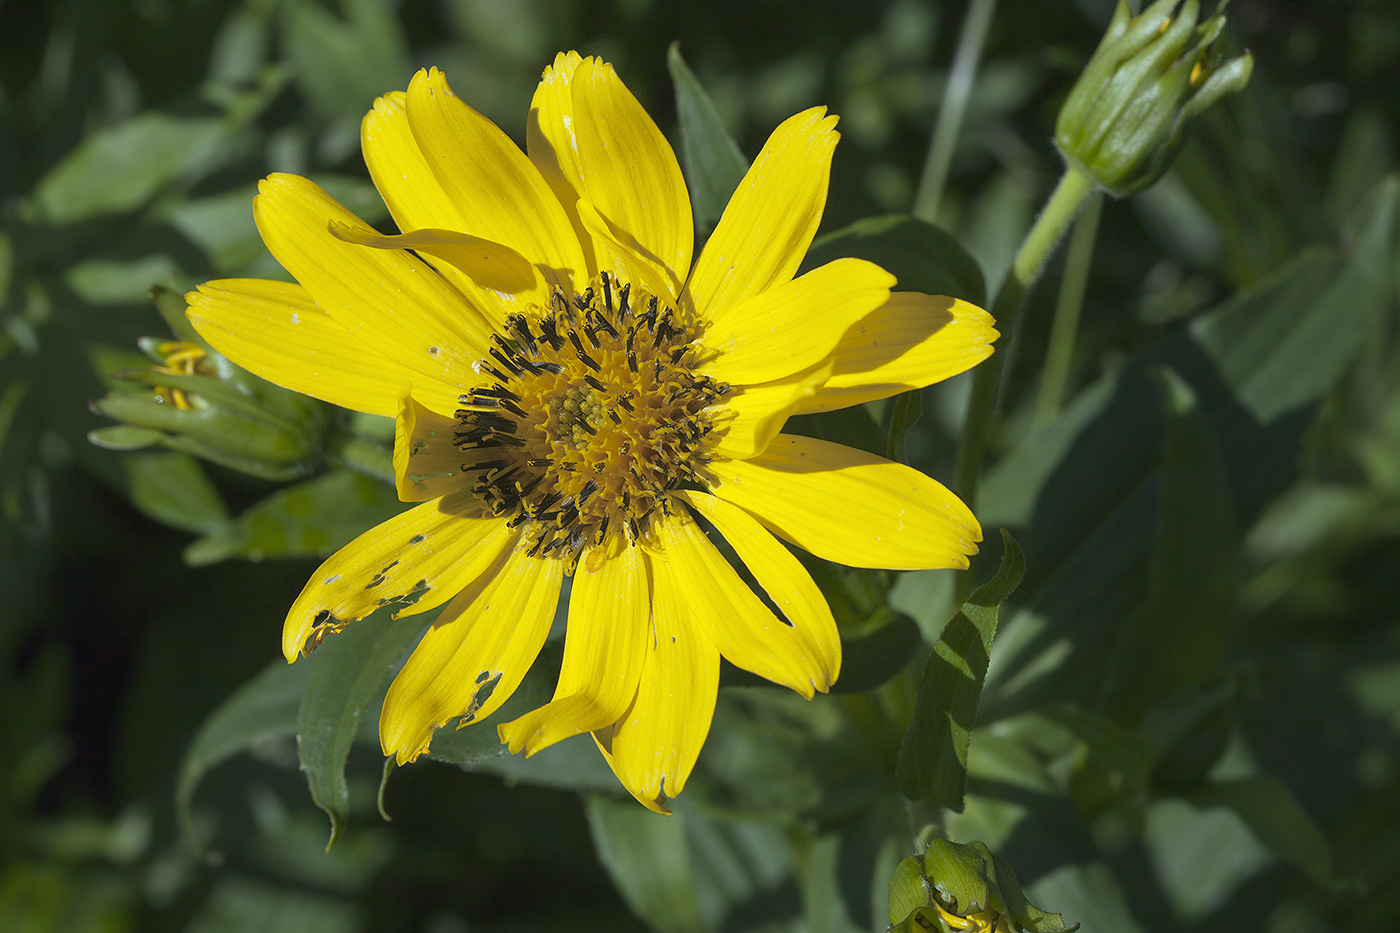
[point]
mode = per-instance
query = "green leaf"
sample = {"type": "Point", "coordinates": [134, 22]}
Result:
{"type": "Point", "coordinates": [933, 756]}
{"type": "Point", "coordinates": [1275, 818]}
{"type": "Point", "coordinates": [311, 518]}
{"type": "Point", "coordinates": [125, 437]}
{"type": "Point", "coordinates": [120, 168]}
{"type": "Point", "coordinates": [173, 488]}
{"type": "Point", "coordinates": [714, 166]}
{"type": "Point", "coordinates": [1285, 343]}
{"type": "Point", "coordinates": [923, 257]}
{"type": "Point", "coordinates": [347, 673]}
{"type": "Point", "coordinates": [263, 710]}
{"type": "Point", "coordinates": [1179, 637]}
{"type": "Point", "coordinates": [649, 860]}
{"type": "Point", "coordinates": [344, 64]}
{"type": "Point", "coordinates": [873, 659]}
{"type": "Point", "coordinates": [1081, 492]}
{"type": "Point", "coordinates": [907, 408]}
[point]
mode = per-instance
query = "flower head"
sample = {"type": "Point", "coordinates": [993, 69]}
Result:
{"type": "Point", "coordinates": [571, 396]}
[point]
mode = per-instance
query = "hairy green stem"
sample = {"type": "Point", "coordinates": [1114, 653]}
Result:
{"type": "Point", "coordinates": [950, 116]}
{"type": "Point", "coordinates": [1064, 204]}
{"type": "Point", "coordinates": [1067, 309]}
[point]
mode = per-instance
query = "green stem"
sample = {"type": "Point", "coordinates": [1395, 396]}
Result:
{"type": "Point", "coordinates": [1067, 310]}
{"type": "Point", "coordinates": [1074, 188]}
{"type": "Point", "coordinates": [950, 116]}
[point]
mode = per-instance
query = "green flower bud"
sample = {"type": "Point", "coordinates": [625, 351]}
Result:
{"type": "Point", "coordinates": [1153, 73]}
{"type": "Point", "coordinates": [963, 888]}
{"type": "Point", "coordinates": [192, 399]}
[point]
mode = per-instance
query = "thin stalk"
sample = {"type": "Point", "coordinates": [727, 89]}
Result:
{"type": "Point", "coordinates": [1067, 309]}
{"type": "Point", "coordinates": [1064, 204]}
{"type": "Point", "coordinates": [955, 96]}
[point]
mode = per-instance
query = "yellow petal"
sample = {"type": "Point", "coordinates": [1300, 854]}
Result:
{"type": "Point", "coordinates": [911, 341]}
{"type": "Point", "coordinates": [428, 553]}
{"type": "Point", "coordinates": [276, 330]}
{"type": "Point", "coordinates": [849, 506]}
{"type": "Point", "coordinates": [498, 191]}
{"type": "Point", "coordinates": [389, 299]}
{"type": "Point", "coordinates": [783, 578]}
{"type": "Point", "coordinates": [609, 626]}
{"type": "Point", "coordinates": [549, 140]}
{"type": "Point", "coordinates": [751, 416]}
{"type": "Point", "coordinates": [771, 219]}
{"type": "Point", "coordinates": [492, 631]}
{"type": "Point", "coordinates": [653, 747]}
{"type": "Point", "coordinates": [411, 190]}
{"type": "Point", "coordinates": [617, 254]}
{"type": "Point", "coordinates": [793, 325]}
{"type": "Point", "coordinates": [427, 464]}
{"type": "Point", "coordinates": [732, 616]}
{"type": "Point", "coordinates": [627, 170]}
{"type": "Point", "coordinates": [493, 266]}
{"type": "Point", "coordinates": [400, 171]}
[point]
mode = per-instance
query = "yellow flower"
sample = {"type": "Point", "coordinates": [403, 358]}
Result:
{"type": "Point", "coordinates": [571, 394]}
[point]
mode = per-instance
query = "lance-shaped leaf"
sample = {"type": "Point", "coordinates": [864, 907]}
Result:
{"type": "Point", "coordinates": [933, 756]}
{"type": "Point", "coordinates": [347, 674]}
{"type": "Point", "coordinates": [713, 164]}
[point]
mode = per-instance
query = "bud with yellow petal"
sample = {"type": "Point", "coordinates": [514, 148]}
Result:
{"type": "Point", "coordinates": [194, 400]}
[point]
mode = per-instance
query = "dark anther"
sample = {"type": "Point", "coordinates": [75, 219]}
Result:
{"type": "Point", "coordinates": [606, 325]}
{"type": "Point", "coordinates": [549, 330]}
{"type": "Point", "coordinates": [589, 488]}
{"type": "Point", "coordinates": [592, 334]}
{"type": "Point", "coordinates": [519, 519]}
{"type": "Point", "coordinates": [538, 462]}
{"type": "Point", "coordinates": [583, 423]}
{"type": "Point", "coordinates": [679, 352]}
{"type": "Point", "coordinates": [607, 292]}
{"type": "Point", "coordinates": [513, 408]}
{"type": "Point", "coordinates": [623, 310]}
{"type": "Point", "coordinates": [616, 418]}
{"type": "Point", "coordinates": [626, 401]}
{"type": "Point", "coordinates": [499, 376]}
{"type": "Point", "coordinates": [506, 361]}
{"type": "Point", "coordinates": [595, 382]}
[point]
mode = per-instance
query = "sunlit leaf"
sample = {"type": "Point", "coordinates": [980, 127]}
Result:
{"type": "Point", "coordinates": [311, 518]}
{"type": "Point", "coordinates": [933, 755]}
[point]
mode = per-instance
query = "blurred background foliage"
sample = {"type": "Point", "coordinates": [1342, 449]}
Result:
{"type": "Point", "coordinates": [1192, 717]}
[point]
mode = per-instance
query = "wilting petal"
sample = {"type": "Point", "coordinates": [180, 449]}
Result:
{"type": "Point", "coordinates": [500, 271]}
{"type": "Point", "coordinates": [849, 506]}
{"type": "Point", "coordinates": [794, 325]}
{"type": "Point", "coordinates": [653, 747]}
{"type": "Point", "coordinates": [277, 331]}
{"type": "Point", "coordinates": [390, 299]}
{"type": "Point", "coordinates": [771, 219]}
{"type": "Point", "coordinates": [732, 616]}
{"type": "Point", "coordinates": [429, 552]}
{"type": "Point", "coordinates": [427, 464]}
{"type": "Point", "coordinates": [911, 341]}
{"type": "Point", "coordinates": [609, 626]}
{"type": "Point", "coordinates": [497, 190]}
{"type": "Point", "coordinates": [492, 631]}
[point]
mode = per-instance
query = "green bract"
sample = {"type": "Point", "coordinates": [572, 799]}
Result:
{"type": "Point", "coordinates": [194, 400]}
{"type": "Point", "coordinates": [1123, 122]}
{"type": "Point", "coordinates": [964, 887]}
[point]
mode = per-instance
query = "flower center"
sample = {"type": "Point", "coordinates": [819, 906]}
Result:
{"type": "Point", "coordinates": [593, 416]}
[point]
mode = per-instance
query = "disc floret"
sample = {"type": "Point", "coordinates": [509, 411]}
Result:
{"type": "Point", "coordinates": [593, 415]}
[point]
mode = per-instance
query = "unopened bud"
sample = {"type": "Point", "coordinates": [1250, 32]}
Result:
{"type": "Point", "coordinates": [1124, 121]}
